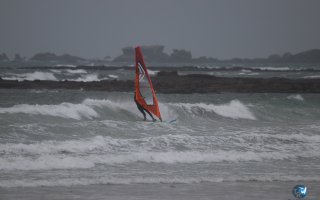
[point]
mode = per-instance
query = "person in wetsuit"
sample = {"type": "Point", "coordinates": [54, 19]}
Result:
{"type": "Point", "coordinates": [141, 109]}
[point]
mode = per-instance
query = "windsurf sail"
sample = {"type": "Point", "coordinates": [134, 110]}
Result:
{"type": "Point", "coordinates": [145, 94]}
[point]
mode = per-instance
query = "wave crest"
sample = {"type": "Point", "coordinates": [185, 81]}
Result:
{"type": "Point", "coordinates": [65, 110]}
{"type": "Point", "coordinates": [297, 97]}
{"type": "Point", "coordinates": [235, 109]}
{"type": "Point", "coordinates": [32, 76]}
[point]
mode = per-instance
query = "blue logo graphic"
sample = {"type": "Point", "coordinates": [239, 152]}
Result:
{"type": "Point", "coordinates": [299, 191]}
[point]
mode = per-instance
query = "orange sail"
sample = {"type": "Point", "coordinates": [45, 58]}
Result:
{"type": "Point", "coordinates": [145, 94]}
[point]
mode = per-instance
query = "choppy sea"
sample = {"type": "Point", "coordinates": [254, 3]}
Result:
{"type": "Point", "coordinates": [56, 138]}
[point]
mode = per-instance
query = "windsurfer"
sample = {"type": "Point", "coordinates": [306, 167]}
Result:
{"type": "Point", "coordinates": [141, 109]}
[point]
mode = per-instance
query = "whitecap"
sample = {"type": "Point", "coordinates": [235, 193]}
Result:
{"type": "Point", "coordinates": [87, 78]}
{"type": "Point", "coordinates": [152, 72]}
{"type": "Point", "coordinates": [235, 109]}
{"type": "Point", "coordinates": [113, 76]}
{"type": "Point", "coordinates": [297, 97]}
{"type": "Point", "coordinates": [312, 77]}
{"type": "Point", "coordinates": [65, 110]}
{"type": "Point", "coordinates": [32, 76]}
{"type": "Point", "coordinates": [76, 71]}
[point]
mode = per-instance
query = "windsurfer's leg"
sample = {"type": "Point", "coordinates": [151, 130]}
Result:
{"type": "Point", "coordinates": [144, 115]}
{"type": "Point", "coordinates": [153, 119]}
{"type": "Point", "coordinates": [140, 108]}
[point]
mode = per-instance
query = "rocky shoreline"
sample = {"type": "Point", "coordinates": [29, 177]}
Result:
{"type": "Point", "coordinates": [171, 82]}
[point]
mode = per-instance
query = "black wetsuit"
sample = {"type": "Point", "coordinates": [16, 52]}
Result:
{"type": "Point", "coordinates": [141, 109]}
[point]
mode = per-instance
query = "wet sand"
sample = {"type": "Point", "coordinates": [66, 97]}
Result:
{"type": "Point", "coordinates": [199, 191]}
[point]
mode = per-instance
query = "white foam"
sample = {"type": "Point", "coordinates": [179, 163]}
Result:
{"type": "Point", "coordinates": [166, 112]}
{"type": "Point", "coordinates": [173, 157]}
{"type": "Point", "coordinates": [74, 161]}
{"type": "Point", "coordinates": [65, 110]}
{"type": "Point", "coordinates": [44, 162]}
{"type": "Point", "coordinates": [312, 76]}
{"type": "Point", "coordinates": [235, 109]}
{"type": "Point", "coordinates": [99, 144]}
{"type": "Point", "coordinates": [76, 71]}
{"type": "Point", "coordinates": [131, 107]}
{"type": "Point", "coordinates": [32, 76]}
{"type": "Point", "coordinates": [114, 105]}
{"type": "Point", "coordinates": [87, 78]}
{"type": "Point", "coordinates": [113, 76]}
{"type": "Point", "coordinates": [299, 137]}
{"type": "Point", "coordinates": [88, 152]}
{"type": "Point", "coordinates": [56, 147]}
{"type": "Point", "coordinates": [65, 65]}
{"type": "Point", "coordinates": [297, 97]}
{"type": "Point", "coordinates": [70, 110]}
{"type": "Point", "coordinates": [273, 68]}
{"type": "Point", "coordinates": [152, 72]}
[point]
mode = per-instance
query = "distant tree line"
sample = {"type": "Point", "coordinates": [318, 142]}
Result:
{"type": "Point", "coordinates": [155, 53]}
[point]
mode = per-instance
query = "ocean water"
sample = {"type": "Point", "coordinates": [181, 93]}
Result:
{"type": "Point", "coordinates": [69, 138]}
{"type": "Point", "coordinates": [73, 73]}
{"type": "Point", "coordinates": [73, 144]}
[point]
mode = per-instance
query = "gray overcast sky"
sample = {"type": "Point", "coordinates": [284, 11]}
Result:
{"type": "Point", "coordinates": [218, 28]}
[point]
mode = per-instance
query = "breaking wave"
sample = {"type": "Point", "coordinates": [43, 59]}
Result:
{"type": "Point", "coordinates": [87, 153]}
{"type": "Point", "coordinates": [312, 77]}
{"type": "Point", "coordinates": [152, 72]}
{"type": "Point", "coordinates": [297, 97]}
{"type": "Point", "coordinates": [76, 71]}
{"type": "Point", "coordinates": [32, 76]}
{"type": "Point", "coordinates": [106, 144]}
{"type": "Point", "coordinates": [85, 109]}
{"type": "Point", "coordinates": [87, 78]}
{"type": "Point", "coordinates": [65, 110]}
{"type": "Point", "coordinates": [272, 68]}
{"type": "Point", "coordinates": [65, 65]}
{"type": "Point", "coordinates": [235, 109]}
{"type": "Point", "coordinates": [113, 76]}
{"type": "Point", "coordinates": [53, 161]}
